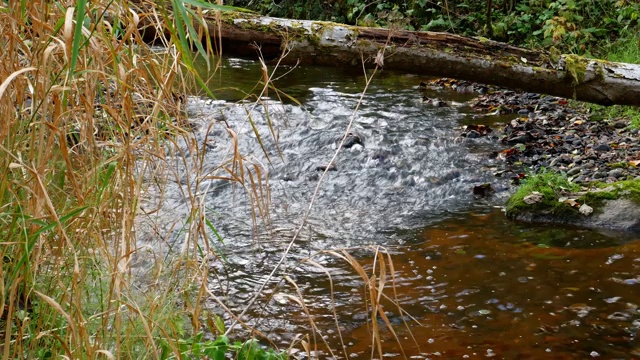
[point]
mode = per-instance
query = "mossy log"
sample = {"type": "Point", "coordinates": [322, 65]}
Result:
{"type": "Point", "coordinates": [427, 53]}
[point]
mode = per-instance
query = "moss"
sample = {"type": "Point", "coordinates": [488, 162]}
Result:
{"type": "Point", "coordinates": [628, 189]}
{"type": "Point", "coordinates": [621, 165]}
{"type": "Point", "coordinates": [553, 186]}
{"type": "Point", "coordinates": [577, 67]}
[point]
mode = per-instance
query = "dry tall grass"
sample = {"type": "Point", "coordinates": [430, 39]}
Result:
{"type": "Point", "coordinates": [79, 105]}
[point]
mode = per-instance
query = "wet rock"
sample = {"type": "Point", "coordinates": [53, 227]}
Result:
{"type": "Point", "coordinates": [620, 215]}
{"type": "Point", "coordinates": [472, 134]}
{"type": "Point", "coordinates": [483, 190]}
{"type": "Point", "coordinates": [330, 167]}
{"type": "Point", "coordinates": [352, 139]}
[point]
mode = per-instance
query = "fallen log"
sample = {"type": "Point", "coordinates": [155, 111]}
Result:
{"type": "Point", "coordinates": [428, 53]}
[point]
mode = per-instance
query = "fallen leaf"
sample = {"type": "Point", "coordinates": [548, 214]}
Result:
{"type": "Point", "coordinates": [533, 198]}
{"type": "Point", "coordinates": [570, 202]}
{"type": "Point", "coordinates": [634, 162]}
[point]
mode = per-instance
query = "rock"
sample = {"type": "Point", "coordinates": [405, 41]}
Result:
{"type": "Point", "coordinates": [619, 215]}
{"type": "Point", "coordinates": [602, 147]}
{"type": "Point", "coordinates": [616, 173]}
{"type": "Point", "coordinates": [352, 139]}
{"type": "Point", "coordinates": [483, 190]}
{"type": "Point", "coordinates": [330, 167]}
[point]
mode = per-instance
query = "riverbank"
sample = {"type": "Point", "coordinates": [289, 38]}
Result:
{"type": "Point", "coordinates": [595, 161]}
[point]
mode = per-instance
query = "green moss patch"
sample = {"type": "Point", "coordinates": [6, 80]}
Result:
{"type": "Point", "coordinates": [550, 185]}
{"type": "Point", "coordinates": [577, 67]}
{"type": "Point", "coordinates": [629, 189]}
{"type": "Point", "coordinates": [554, 186]}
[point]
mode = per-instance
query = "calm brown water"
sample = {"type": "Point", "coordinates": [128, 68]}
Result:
{"type": "Point", "coordinates": [494, 292]}
{"type": "Point", "coordinates": [473, 285]}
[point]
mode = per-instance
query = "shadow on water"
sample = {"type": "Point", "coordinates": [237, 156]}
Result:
{"type": "Point", "coordinates": [471, 283]}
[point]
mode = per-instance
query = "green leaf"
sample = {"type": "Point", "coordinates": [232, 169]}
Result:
{"type": "Point", "coordinates": [77, 35]}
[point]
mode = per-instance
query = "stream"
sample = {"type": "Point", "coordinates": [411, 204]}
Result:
{"type": "Point", "coordinates": [458, 279]}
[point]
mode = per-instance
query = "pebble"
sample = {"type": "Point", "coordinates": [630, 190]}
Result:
{"type": "Point", "coordinates": [602, 147]}
{"type": "Point", "coordinates": [574, 171]}
{"type": "Point", "coordinates": [565, 140]}
{"type": "Point", "coordinates": [616, 173]}
{"type": "Point", "coordinates": [546, 131]}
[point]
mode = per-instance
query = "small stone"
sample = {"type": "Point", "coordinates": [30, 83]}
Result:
{"type": "Point", "coordinates": [616, 173]}
{"type": "Point", "coordinates": [574, 171]}
{"type": "Point", "coordinates": [620, 124]}
{"type": "Point", "coordinates": [579, 179]}
{"type": "Point", "coordinates": [602, 147]}
{"type": "Point", "coordinates": [472, 134]}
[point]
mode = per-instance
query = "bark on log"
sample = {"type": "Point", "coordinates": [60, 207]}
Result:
{"type": "Point", "coordinates": [431, 54]}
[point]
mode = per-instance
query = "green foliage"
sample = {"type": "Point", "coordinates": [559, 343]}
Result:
{"type": "Point", "coordinates": [221, 348]}
{"type": "Point", "coordinates": [572, 26]}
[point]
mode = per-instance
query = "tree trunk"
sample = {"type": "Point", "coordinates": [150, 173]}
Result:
{"type": "Point", "coordinates": [430, 54]}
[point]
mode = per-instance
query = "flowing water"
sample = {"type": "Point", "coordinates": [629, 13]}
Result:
{"type": "Point", "coordinates": [465, 282]}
